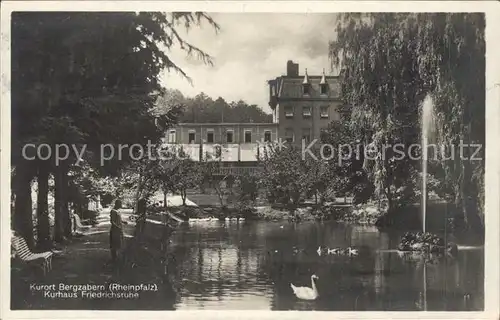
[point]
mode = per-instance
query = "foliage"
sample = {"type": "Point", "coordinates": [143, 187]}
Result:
{"type": "Point", "coordinates": [203, 109]}
{"type": "Point", "coordinates": [89, 79]}
{"type": "Point", "coordinates": [247, 188]}
{"type": "Point", "coordinates": [210, 170]}
{"type": "Point", "coordinates": [180, 174]}
{"type": "Point", "coordinates": [290, 178]}
{"type": "Point", "coordinates": [389, 63]}
{"type": "Point", "coordinates": [380, 82]}
{"type": "Point", "coordinates": [347, 173]}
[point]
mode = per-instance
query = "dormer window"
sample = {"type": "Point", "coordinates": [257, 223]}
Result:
{"type": "Point", "coordinates": [323, 84]}
{"type": "Point", "coordinates": [324, 88]}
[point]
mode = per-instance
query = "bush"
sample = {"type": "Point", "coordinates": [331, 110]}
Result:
{"type": "Point", "coordinates": [420, 241]}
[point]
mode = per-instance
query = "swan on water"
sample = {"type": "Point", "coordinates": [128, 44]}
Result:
{"type": "Point", "coordinates": [353, 252]}
{"type": "Point", "coordinates": [319, 251]}
{"type": "Point", "coordinates": [306, 293]}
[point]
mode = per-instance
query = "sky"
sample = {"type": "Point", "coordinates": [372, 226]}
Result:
{"type": "Point", "coordinates": [248, 50]}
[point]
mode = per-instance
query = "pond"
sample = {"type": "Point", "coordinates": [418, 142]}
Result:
{"type": "Point", "coordinates": [250, 265]}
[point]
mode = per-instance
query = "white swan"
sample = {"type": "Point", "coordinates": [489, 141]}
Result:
{"type": "Point", "coordinates": [319, 251]}
{"type": "Point", "coordinates": [306, 293]}
{"type": "Point", "coordinates": [353, 252]}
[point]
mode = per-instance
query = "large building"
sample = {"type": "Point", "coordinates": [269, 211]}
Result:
{"type": "Point", "coordinates": [302, 106]}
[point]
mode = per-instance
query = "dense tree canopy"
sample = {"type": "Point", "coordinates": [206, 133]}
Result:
{"type": "Point", "coordinates": [203, 109]}
{"type": "Point", "coordinates": [389, 63]}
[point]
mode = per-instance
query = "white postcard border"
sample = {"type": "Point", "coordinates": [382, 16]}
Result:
{"type": "Point", "coordinates": [492, 177]}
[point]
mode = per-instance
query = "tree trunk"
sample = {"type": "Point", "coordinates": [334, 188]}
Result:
{"type": "Point", "coordinates": [62, 218]}
{"type": "Point", "coordinates": [85, 206]}
{"type": "Point", "coordinates": [183, 197]}
{"type": "Point", "coordinates": [23, 215]}
{"type": "Point", "coordinates": [43, 225]}
{"type": "Point", "coordinates": [65, 204]}
{"type": "Point", "coordinates": [389, 200]}
{"type": "Point", "coordinates": [138, 194]}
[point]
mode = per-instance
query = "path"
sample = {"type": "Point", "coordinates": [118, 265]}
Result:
{"type": "Point", "coordinates": [85, 260]}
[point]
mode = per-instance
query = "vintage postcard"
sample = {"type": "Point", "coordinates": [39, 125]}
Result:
{"type": "Point", "coordinates": [250, 159]}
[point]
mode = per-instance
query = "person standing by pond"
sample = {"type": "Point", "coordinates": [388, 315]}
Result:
{"type": "Point", "coordinates": [116, 231]}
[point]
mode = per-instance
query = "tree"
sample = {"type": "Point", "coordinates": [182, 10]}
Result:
{"type": "Point", "coordinates": [87, 79]}
{"type": "Point", "coordinates": [212, 174]}
{"type": "Point", "coordinates": [179, 175]}
{"type": "Point", "coordinates": [389, 63]}
{"type": "Point", "coordinates": [285, 175]}
{"type": "Point", "coordinates": [347, 173]}
{"type": "Point", "coordinates": [452, 61]}
{"type": "Point", "coordinates": [380, 82]}
{"type": "Point", "coordinates": [204, 109]}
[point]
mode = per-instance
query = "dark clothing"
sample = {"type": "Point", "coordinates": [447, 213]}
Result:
{"type": "Point", "coordinates": [115, 233]}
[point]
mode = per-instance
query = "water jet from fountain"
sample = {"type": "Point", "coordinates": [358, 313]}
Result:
{"type": "Point", "coordinates": [427, 128]}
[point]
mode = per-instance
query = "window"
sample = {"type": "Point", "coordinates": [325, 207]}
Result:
{"type": "Point", "coordinates": [192, 136]}
{"type": "Point", "coordinates": [289, 111]}
{"type": "Point", "coordinates": [306, 111]}
{"type": "Point", "coordinates": [210, 136]}
{"type": "Point", "coordinates": [324, 88]}
{"type": "Point", "coordinates": [248, 136]}
{"type": "Point", "coordinates": [267, 136]}
{"type": "Point", "coordinates": [324, 112]}
{"type": "Point", "coordinates": [229, 137]}
{"type": "Point", "coordinates": [289, 136]}
{"type": "Point", "coordinates": [306, 135]}
{"type": "Point", "coordinates": [171, 136]}
{"type": "Point", "coordinates": [306, 87]}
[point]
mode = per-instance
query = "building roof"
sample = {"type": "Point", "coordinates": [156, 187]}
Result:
{"type": "Point", "coordinates": [287, 87]}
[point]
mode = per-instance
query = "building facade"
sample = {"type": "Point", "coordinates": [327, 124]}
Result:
{"type": "Point", "coordinates": [231, 142]}
{"type": "Point", "coordinates": [302, 106]}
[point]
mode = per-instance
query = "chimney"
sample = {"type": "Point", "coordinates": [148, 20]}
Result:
{"type": "Point", "coordinates": [292, 69]}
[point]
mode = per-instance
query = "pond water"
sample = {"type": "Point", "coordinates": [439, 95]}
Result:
{"type": "Point", "coordinates": [250, 265]}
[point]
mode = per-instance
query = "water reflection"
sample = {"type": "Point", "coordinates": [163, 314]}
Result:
{"type": "Point", "coordinates": [251, 265]}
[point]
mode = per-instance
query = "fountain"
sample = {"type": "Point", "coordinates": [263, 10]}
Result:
{"type": "Point", "coordinates": [424, 241]}
{"type": "Point", "coordinates": [427, 127]}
